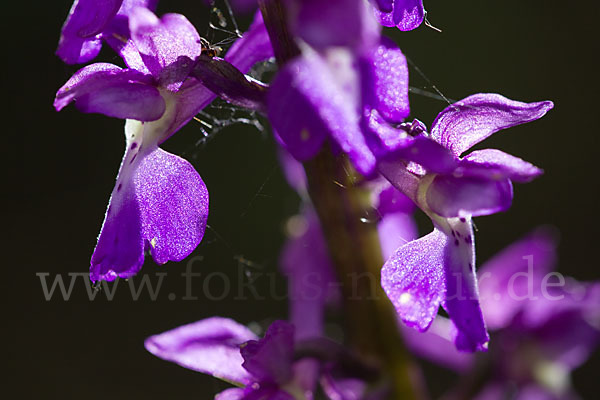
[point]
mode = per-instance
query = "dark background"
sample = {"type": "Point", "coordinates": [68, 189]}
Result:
{"type": "Point", "coordinates": [60, 169]}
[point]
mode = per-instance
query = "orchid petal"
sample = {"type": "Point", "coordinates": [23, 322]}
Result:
{"type": "Point", "coordinates": [270, 358]}
{"type": "Point", "coordinates": [451, 196]}
{"type": "Point", "coordinates": [109, 90]}
{"type": "Point", "coordinates": [210, 346]}
{"type": "Point", "coordinates": [79, 40]}
{"type": "Point", "coordinates": [167, 46]}
{"type": "Point", "coordinates": [118, 35]}
{"type": "Point", "coordinates": [305, 103]}
{"type": "Point", "coordinates": [159, 202]}
{"type": "Point", "coordinates": [413, 279]}
{"type": "Point", "coordinates": [494, 164]}
{"type": "Point", "coordinates": [462, 294]}
{"type": "Point", "coordinates": [467, 122]}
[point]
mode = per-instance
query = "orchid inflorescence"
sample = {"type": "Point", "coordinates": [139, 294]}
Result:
{"type": "Point", "coordinates": [340, 93]}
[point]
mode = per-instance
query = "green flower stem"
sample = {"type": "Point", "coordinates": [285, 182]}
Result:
{"type": "Point", "coordinates": [370, 320]}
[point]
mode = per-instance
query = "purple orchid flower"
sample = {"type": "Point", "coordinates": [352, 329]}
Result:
{"type": "Point", "coordinates": [159, 201]}
{"type": "Point", "coordinates": [264, 369]}
{"type": "Point", "coordinates": [91, 21]}
{"type": "Point", "coordinates": [406, 15]}
{"type": "Point", "coordinates": [348, 88]}
{"type": "Point", "coordinates": [543, 326]}
{"type": "Point", "coordinates": [439, 268]}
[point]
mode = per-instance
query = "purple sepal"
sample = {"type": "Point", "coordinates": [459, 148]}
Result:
{"type": "Point", "coordinates": [118, 35]}
{"type": "Point", "coordinates": [210, 346]}
{"type": "Point", "coordinates": [451, 196]}
{"type": "Point", "coordinates": [270, 359]}
{"type": "Point", "coordinates": [469, 121]}
{"type": "Point", "coordinates": [495, 165]}
{"type": "Point", "coordinates": [413, 279]}
{"type": "Point", "coordinates": [385, 81]}
{"type": "Point", "coordinates": [291, 113]}
{"type": "Point", "coordinates": [159, 203]}
{"type": "Point", "coordinates": [112, 91]}
{"type": "Point", "coordinates": [166, 45]}
{"type": "Point", "coordinates": [80, 36]}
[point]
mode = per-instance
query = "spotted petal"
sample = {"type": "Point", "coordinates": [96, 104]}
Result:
{"type": "Point", "coordinates": [467, 122]}
{"type": "Point", "coordinates": [210, 346]}
{"type": "Point", "coordinates": [159, 203]}
{"type": "Point", "coordinates": [462, 293]}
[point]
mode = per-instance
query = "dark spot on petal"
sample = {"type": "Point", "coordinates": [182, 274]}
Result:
{"type": "Point", "coordinates": [133, 158]}
{"type": "Point", "coordinates": [456, 242]}
{"type": "Point", "coordinates": [119, 187]}
{"type": "Point", "coordinates": [457, 234]}
{"type": "Point", "coordinates": [133, 145]}
{"type": "Point", "coordinates": [462, 219]}
{"type": "Point", "coordinates": [470, 265]}
{"type": "Point", "coordinates": [468, 239]}
{"type": "Point", "coordinates": [453, 233]}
